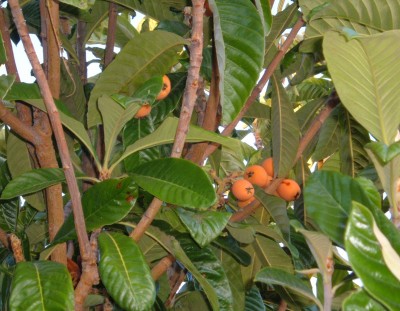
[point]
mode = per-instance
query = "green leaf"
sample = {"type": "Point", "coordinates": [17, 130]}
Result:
{"type": "Point", "coordinates": [114, 118]}
{"type": "Point", "coordinates": [19, 162]}
{"type": "Point", "coordinates": [361, 16]}
{"type": "Point", "coordinates": [176, 181]}
{"type": "Point", "coordinates": [3, 55]}
{"type": "Point", "coordinates": [285, 130]}
{"type": "Point", "coordinates": [328, 197]}
{"type": "Point", "coordinates": [165, 134]}
{"type": "Point", "coordinates": [41, 285]}
{"type": "Point", "coordinates": [6, 82]}
{"type": "Point", "coordinates": [146, 55]}
{"type": "Point", "coordinates": [360, 300]}
{"type": "Point", "coordinates": [254, 301]}
{"type": "Point", "coordinates": [363, 241]}
{"type": "Point", "coordinates": [276, 207]}
{"type": "Point", "coordinates": [229, 245]}
{"type": "Point", "coordinates": [125, 273]}
{"type": "Point", "coordinates": [80, 4]}
{"type": "Point", "coordinates": [264, 10]}
{"type": "Point", "coordinates": [274, 276]}
{"type": "Point", "coordinates": [362, 70]}
{"type": "Point", "coordinates": [204, 226]}
{"type": "Point", "coordinates": [280, 22]}
{"type": "Point", "coordinates": [33, 181]}
{"type": "Point", "coordinates": [328, 139]}
{"type": "Point", "coordinates": [383, 152]}
{"type": "Point", "coordinates": [103, 204]}
{"type": "Point", "coordinates": [239, 41]}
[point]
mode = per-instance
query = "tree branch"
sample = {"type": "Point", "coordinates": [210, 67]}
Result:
{"type": "Point", "coordinates": [260, 85]}
{"type": "Point", "coordinates": [189, 99]}
{"type": "Point", "coordinates": [80, 226]}
{"type": "Point", "coordinates": [112, 22]}
{"type": "Point", "coordinates": [162, 266]}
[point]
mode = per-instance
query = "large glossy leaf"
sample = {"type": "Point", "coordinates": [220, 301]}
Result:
{"type": "Point", "coordinates": [204, 226]}
{"type": "Point", "coordinates": [239, 41]}
{"type": "Point", "coordinates": [176, 181]}
{"type": "Point", "coordinates": [165, 134]}
{"type": "Point", "coordinates": [81, 4]}
{"type": "Point", "coordinates": [33, 181]}
{"type": "Point", "coordinates": [229, 245]}
{"type": "Point", "coordinates": [285, 130]}
{"type": "Point", "coordinates": [363, 16]}
{"type": "Point", "coordinates": [103, 204]}
{"type": "Point", "coordinates": [328, 139]}
{"type": "Point", "coordinates": [327, 199]}
{"type": "Point", "coordinates": [276, 207]}
{"type": "Point", "coordinates": [156, 9]}
{"type": "Point", "coordinates": [364, 80]}
{"type": "Point", "coordinates": [19, 162]}
{"type": "Point", "coordinates": [289, 281]}
{"type": "Point", "coordinates": [372, 257]}
{"type": "Point", "coordinates": [146, 55]}
{"type": "Point", "coordinates": [264, 10]}
{"type": "Point", "coordinates": [41, 285]}
{"type": "Point", "coordinates": [360, 300]}
{"type": "Point", "coordinates": [125, 273]}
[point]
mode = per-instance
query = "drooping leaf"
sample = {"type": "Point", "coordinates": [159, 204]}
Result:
{"type": "Point", "coordinates": [41, 285]}
{"type": "Point", "coordinates": [81, 4]}
{"type": "Point", "coordinates": [289, 281]}
{"type": "Point", "coordinates": [264, 10]}
{"type": "Point", "coordinates": [19, 162]}
{"type": "Point", "coordinates": [204, 226]}
{"type": "Point", "coordinates": [103, 204]}
{"type": "Point", "coordinates": [125, 273]}
{"type": "Point", "coordinates": [33, 181]}
{"type": "Point", "coordinates": [285, 130]}
{"type": "Point", "coordinates": [383, 152]}
{"type": "Point", "coordinates": [364, 79]}
{"type": "Point", "coordinates": [146, 55]}
{"type": "Point", "coordinates": [328, 139]}
{"type": "Point", "coordinates": [232, 247]}
{"type": "Point", "coordinates": [360, 300]}
{"type": "Point", "coordinates": [367, 257]}
{"type": "Point", "coordinates": [239, 41]}
{"type": "Point", "coordinates": [327, 199]}
{"type": "Point", "coordinates": [362, 16]}
{"type": "Point", "coordinates": [276, 207]}
{"type": "Point", "coordinates": [176, 181]}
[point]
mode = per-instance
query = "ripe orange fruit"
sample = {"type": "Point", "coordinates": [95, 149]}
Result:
{"type": "Point", "coordinates": [242, 189]}
{"type": "Point", "coordinates": [165, 89]}
{"type": "Point", "coordinates": [143, 111]}
{"type": "Point", "coordinates": [242, 204]}
{"type": "Point", "coordinates": [289, 190]}
{"type": "Point", "coordinates": [268, 165]}
{"type": "Point", "coordinates": [257, 175]}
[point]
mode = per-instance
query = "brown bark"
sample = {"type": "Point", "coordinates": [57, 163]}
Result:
{"type": "Point", "coordinates": [112, 22]}
{"type": "Point", "coordinates": [88, 257]}
{"type": "Point", "coordinates": [189, 98]}
{"type": "Point", "coordinates": [80, 50]}
{"type": "Point", "coordinates": [162, 266]}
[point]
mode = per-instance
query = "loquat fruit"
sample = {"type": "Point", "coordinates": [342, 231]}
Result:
{"type": "Point", "coordinates": [289, 190]}
{"type": "Point", "coordinates": [268, 165]}
{"type": "Point", "coordinates": [143, 111]}
{"type": "Point", "coordinates": [242, 204]}
{"type": "Point", "coordinates": [257, 175]}
{"type": "Point", "coordinates": [165, 89]}
{"type": "Point", "coordinates": [242, 189]}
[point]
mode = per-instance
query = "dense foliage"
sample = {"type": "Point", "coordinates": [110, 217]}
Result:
{"type": "Point", "coordinates": [329, 117]}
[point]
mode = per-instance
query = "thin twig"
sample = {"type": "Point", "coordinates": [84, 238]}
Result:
{"type": "Point", "coordinates": [112, 22]}
{"type": "Point", "coordinates": [162, 266]}
{"type": "Point", "coordinates": [260, 85]}
{"type": "Point", "coordinates": [189, 99]}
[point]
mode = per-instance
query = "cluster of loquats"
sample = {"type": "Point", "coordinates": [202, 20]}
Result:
{"type": "Point", "coordinates": [262, 175]}
{"type": "Point", "coordinates": [146, 108]}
